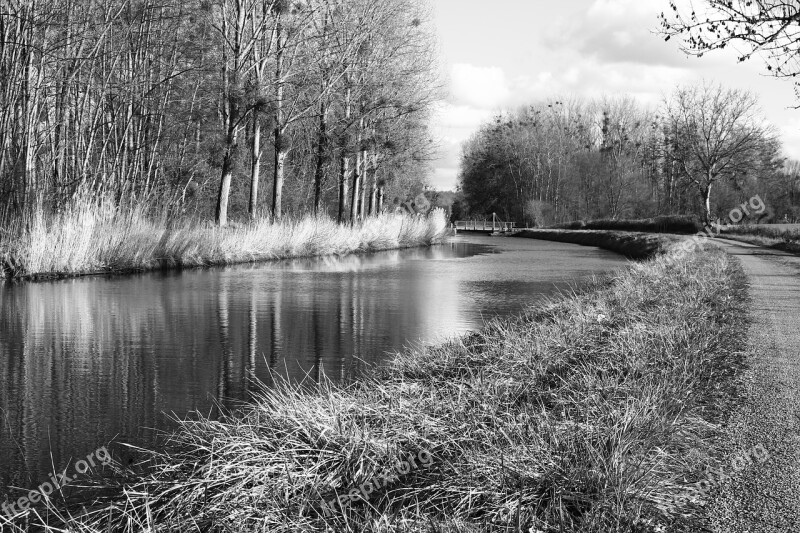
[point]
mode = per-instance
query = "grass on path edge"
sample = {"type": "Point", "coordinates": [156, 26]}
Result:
{"type": "Point", "coordinates": [777, 238]}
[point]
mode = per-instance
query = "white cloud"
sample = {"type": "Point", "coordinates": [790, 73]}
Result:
{"type": "Point", "coordinates": [572, 76]}
{"type": "Point", "coordinates": [790, 135]}
{"type": "Point", "coordinates": [623, 38]}
{"type": "Point", "coordinates": [606, 10]}
{"type": "Point", "coordinates": [454, 124]}
{"type": "Point", "coordinates": [478, 87]}
{"type": "Point", "coordinates": [445, 178]}
{"type": "Point", "coordinates": [613, 8]}
{"type": "Point", "coordinates": [590, 79]}
{"type": "Point", "coordinates": [462, 116]}
{"type": "Point", "coordinates": [617, 31]}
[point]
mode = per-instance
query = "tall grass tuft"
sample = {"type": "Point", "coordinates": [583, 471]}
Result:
{"type": "Point", "coordinates": [91, 237]}
{"type": "Point", "coordinates": [593, 412]}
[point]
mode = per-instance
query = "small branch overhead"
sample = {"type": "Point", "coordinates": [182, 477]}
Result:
{"type": "Point", "coordinates": [769, 29]}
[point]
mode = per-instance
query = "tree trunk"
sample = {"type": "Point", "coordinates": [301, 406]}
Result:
{"type": "Point", "coordinates": [344, 171]}
{"type": "Point", "coordinates": [227, 175]}
{"type": "Point", "coordinates": [320, 163]}
{"type": "Point", "coordinates": [277, 192]}
{"type": "Point", "coordinates": [255, 169]}
{"type": "Point", "coordinates": [280, 154]}
{"type": "Point", "coordinates": [230, 80]}
{"type": "Point", "coordinates": [373, 198]}
{"type": "Point", "coordinates": [373, 183]}
{"type": "Point", "coordinates": [354, 194]}
{"type": "Point", "coordinates": [362, 207]}
{"type": "Point", "coordinates": [707, 203]}
{"type": "Point", "coordinates": [225, 187]}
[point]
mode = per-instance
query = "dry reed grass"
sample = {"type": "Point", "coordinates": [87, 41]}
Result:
{"type": "Point", "coordinates": [92, 237]}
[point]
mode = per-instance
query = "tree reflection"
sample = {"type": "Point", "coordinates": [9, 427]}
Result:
{"type": "Point", "coordinates": [89, 360]}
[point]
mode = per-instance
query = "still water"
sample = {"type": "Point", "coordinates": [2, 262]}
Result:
{"type": "Point", "coordinates": [90, 361]}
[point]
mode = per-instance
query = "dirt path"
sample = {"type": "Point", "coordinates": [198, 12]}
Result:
{"type": "Point", "coordinates": [766, 497]}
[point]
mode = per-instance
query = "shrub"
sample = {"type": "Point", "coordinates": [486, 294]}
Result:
{"type": "Point", "coordinates": [681, 224]}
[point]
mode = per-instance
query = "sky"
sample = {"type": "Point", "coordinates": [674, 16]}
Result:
{"type": "Point", "coordinates": [504, 53]}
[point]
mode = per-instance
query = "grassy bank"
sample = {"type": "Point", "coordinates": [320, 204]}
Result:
{"type": "Point", "coordinates": [630, 244]}
{"type": "Point", "coordinates": [778, 238]}
{"type": "Point", "coordinates": [90, 239]}
{"type": "Point", "coordinates": [593, 412]}
{"type": "Point", "coordinates": [682, 224]}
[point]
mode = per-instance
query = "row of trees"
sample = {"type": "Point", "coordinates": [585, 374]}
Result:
{"type": "Point", "coordinates": [703, 150]}
{"type": "Point", "coordinates": [190, 104]}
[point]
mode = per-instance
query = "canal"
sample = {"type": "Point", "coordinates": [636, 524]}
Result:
{"type": "Point", "coordinates": [91, 361]}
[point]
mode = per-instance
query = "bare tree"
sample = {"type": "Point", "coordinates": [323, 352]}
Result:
{"type": "Point", "coordinates": [295, 81]}
{"type": "Point", "coordinates": [146, 103]}
{"type": "Point", "coordinates": [623, 130]}
{"type": "Point", "coordinates": [237, 44]}
{"type": "Point", "coordinates": [262, 50]}
{"type": "Point", "coordinates": [720, 134]}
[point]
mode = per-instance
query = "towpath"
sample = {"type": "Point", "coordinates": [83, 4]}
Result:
{"type": "Point", "coordinates": [766, 497]}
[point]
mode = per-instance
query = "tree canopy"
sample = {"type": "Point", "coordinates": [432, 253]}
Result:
{"type": "Point", "coordinates": [702, 150]}
{"type": "Point", "coordinates": [188, 105]}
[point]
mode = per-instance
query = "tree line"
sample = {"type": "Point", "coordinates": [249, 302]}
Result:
{"type": "Point", "coordinates": [188, 105]}
{"type": "Point", "coordinates": [704, 149]}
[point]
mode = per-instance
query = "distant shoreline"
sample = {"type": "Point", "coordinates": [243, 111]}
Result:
{"type": "Point", "coordinates": [70, 247]}
{"type": "Point", "coordinates": [633, 245]}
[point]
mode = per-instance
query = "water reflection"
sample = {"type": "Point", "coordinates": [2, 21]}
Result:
{"type": "Point", "coordinates": [86, 361]}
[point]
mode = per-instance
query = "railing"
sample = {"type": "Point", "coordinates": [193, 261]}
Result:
{"type": "Point", "coordinates": [494, 225]}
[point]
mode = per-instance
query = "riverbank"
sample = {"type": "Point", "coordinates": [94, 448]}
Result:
{"type": "Point", "coordinates": [593, 412]}
{"type": "Point", "coordinates": [88, 241]}
{"type": "Point", "coordinates": [634, 245]}
{"type": "Point", "coordinates": [680, 224]}
{"type": "Point", "coordinates": [776, 238]}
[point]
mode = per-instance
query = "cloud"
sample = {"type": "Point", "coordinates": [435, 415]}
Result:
{"type": "Point", "coordinates": [790, 135]}
{"type": "Point", "coordinates": [478, 87]}
{"type": "Point", "coordinates": [454, 124]}
{"type": "Point", "coordinates": [589, 79]}
{"type": "Point", "coordinates": [618, 31]}
{"type": "Point", "coordinates": [476, 94]}
{"type": "Point", "coordinates": [444, 178]}
{"type": "Point", "coordinates": [610, 10]}
{"type": "Point", "coordinates": [462, 116]}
